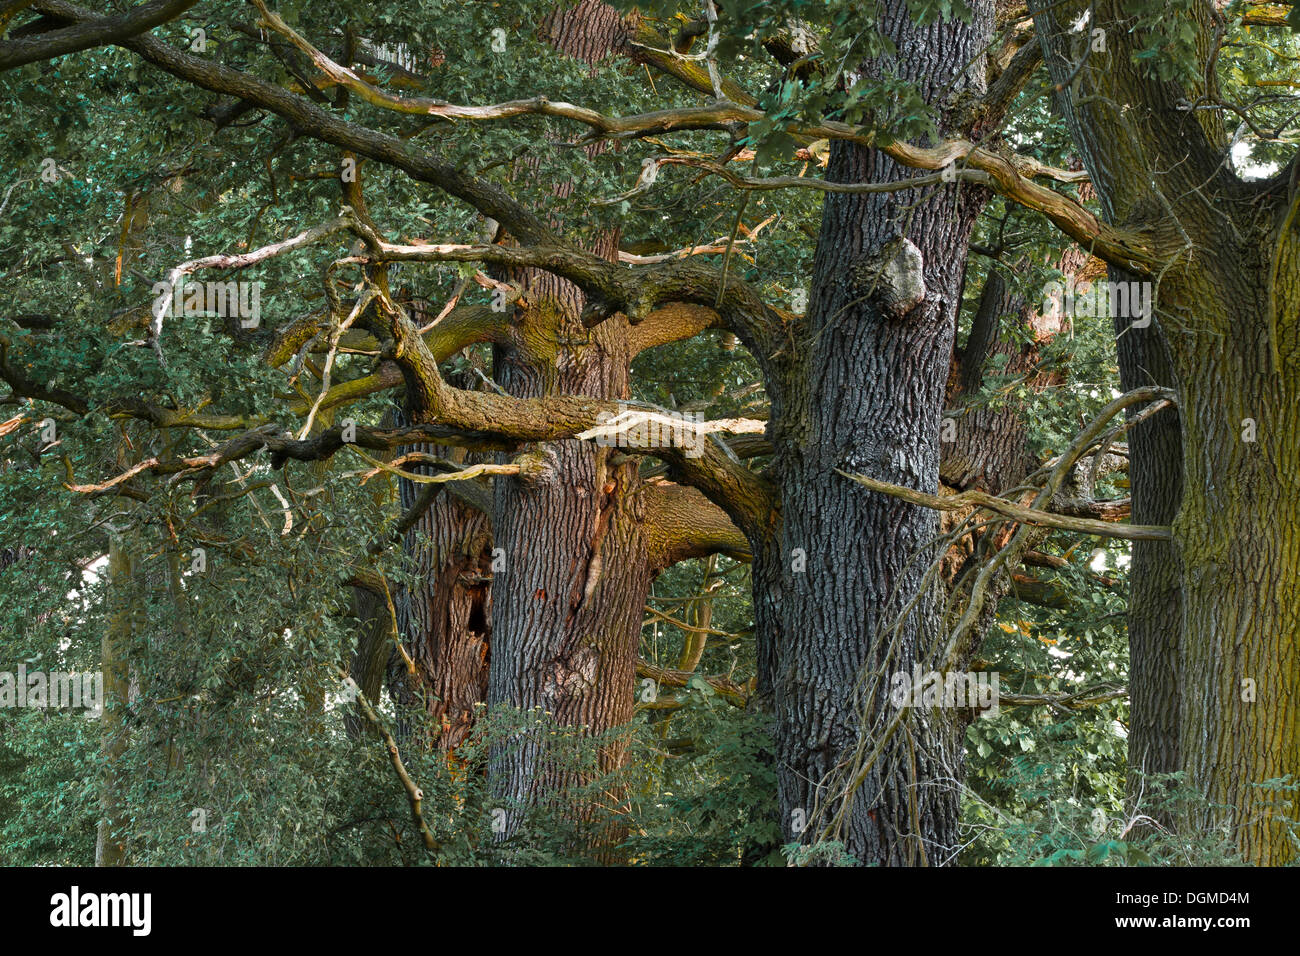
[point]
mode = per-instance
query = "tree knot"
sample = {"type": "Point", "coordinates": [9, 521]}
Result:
{"type": "Point", "coordinates": [893, 277]}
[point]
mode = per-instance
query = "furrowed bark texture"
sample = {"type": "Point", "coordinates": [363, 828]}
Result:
{"type": "Point", "coordinates": [866, 395]}
{"type": "Point", "coordinates": [445, 617]}
{"type": "Point", "coordinates": [561, 551]}
{"type": "Point", "coordinates": [1155, 607]}
{"type": "Point", "coordinates": [571, 596]}
{"type": "Point", "coordinates": [1228, 310]}
{"type": "Point", "coordinates": [1238, 535]}
{"type": "Point", "coordinates": [570, 599]}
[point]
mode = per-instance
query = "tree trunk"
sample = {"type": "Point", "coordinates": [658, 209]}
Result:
{"type": "Point", "coordinates": [445, 618]}
{"type": "Point", "coordinates": [571, 596]}
{"type": "Point", "coordinates": [867, 396]}
{"type": "Point", "coordinates": [1226, 301]}
{"type": "Point", "coordinates": [1109, 146]}
{"type": "Point", "coordinates": [1155, 581]}
{"type": "Point", "coordinates": [1238, 534]}
{"type": "Point", "coordinates": [570, 599]}
{"type": "Point", "coordinates": [112, 830]}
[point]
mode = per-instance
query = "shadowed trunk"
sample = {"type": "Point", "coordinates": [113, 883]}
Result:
{"type": "Point", "coordinates": [1155, 607]}
{"type": "Point", "coordinates": [445, 616]}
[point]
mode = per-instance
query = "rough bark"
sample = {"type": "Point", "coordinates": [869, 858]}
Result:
{"type": "Point", "coordinates": [1155, 586]}
{"type": "Point", "coordinates": [1155, 472]}
{"type": "Point", "coordinates": [445, 616]}
{"type": "Point", "coordinates": [569, 600]}
{"type": "Point", "coordinates": [1238, 535]}
{"type": "Point", "coordinates": [1226, 308]}
{"type": "Point", "coordinates": [866, 395]}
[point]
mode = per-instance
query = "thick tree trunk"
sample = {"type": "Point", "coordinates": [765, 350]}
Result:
{"type": "Point", "coordinates": [867, 397]}
{"type": "Point", "coordinates": [1238, 534]}
{"type": "Point", "coordinates": [445, 618]}
{"type": "Point", "coordinates": [568, 611]}
{"type": "Point", "coordinates": [1110, 146]}
{"type": "Point", "coordinates": [1226, 304]}
{"type": "Point", "coordinates": [571, 595]}
{"type": "Point", "coordinates": [570, 599]}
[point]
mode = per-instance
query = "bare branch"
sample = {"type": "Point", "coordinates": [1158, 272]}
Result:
{"type": "Point", "coordinates": [1010, 509]}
